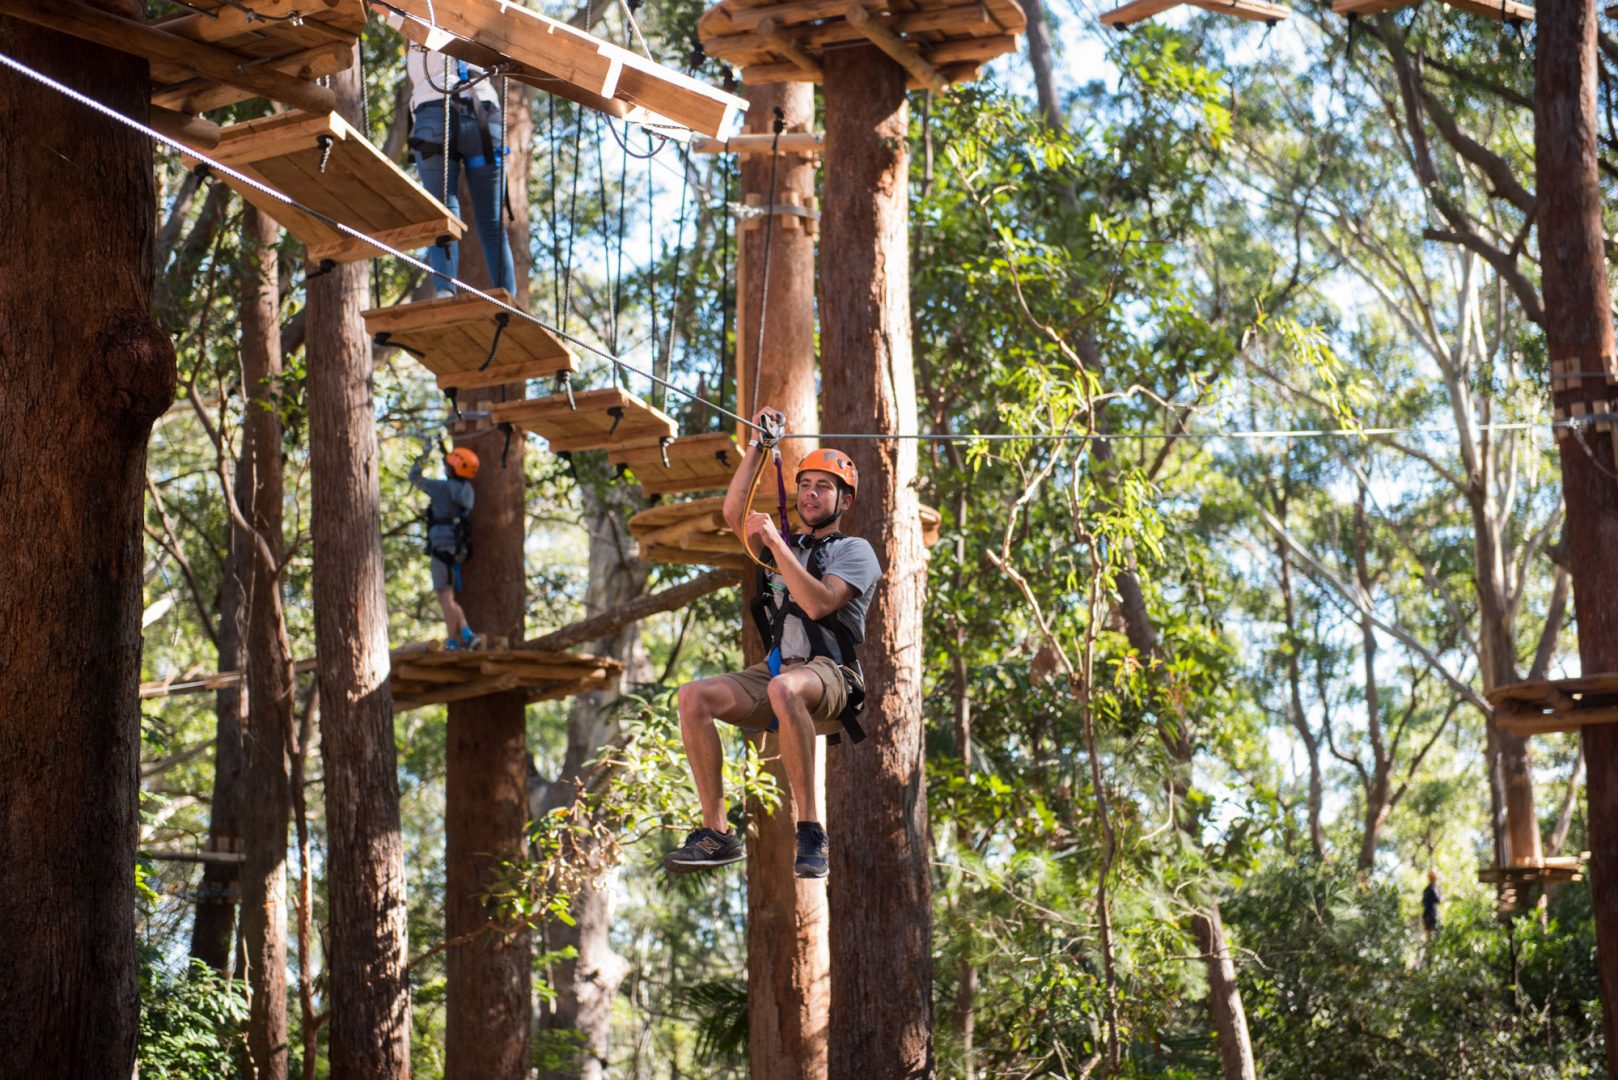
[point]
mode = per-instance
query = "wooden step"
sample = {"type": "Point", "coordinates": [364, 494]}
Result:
{"type": "Point", "coordinates": [1251, 10]}
{"type": "Point", "coordinates": [587, 420]}
{"type": "Point", "coordinates": [1536, 708]}
{"type": "Point", "coordinates": [693, 531]}
{"type": "Point", "coordinates": [453, 338]}
{"type": "Point", "coordinates": [429, 674]}
{"type": "Point", "coordinates": [1509, 12]}
{"type": "Point", "coordinates": [557, 57]}
{"type": "Point", "coordinates": [359, 187]}
{"type": "Point", "coordinates": [681, 466]}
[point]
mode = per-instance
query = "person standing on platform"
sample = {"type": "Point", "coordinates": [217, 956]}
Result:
{"type": "Point", "coordinates": [474, 143]}
{"type": "Point", "coordinates": [449, 535]}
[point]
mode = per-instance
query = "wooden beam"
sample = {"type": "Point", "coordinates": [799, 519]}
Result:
{"type": "Point", "coordinates": [226, 22]}
{"type": "Point", "coordinates": [1365, 8]}
{"type": "Point", "coordinates": [901, 52]}
{"type": "Point", "coordinates": [966, 49]}
{"type": "Point", "coordinates": [480, 688]}
{"type": "Point", "coordinates": [227, 857]}
{"type": "Point", "coordinates": [1136, 11]}
{"type": "Point", "coordinates": [194, 131]}
{"type": "Point", "coordinates": [1547, 723]}
{"type": "Point", "coordinates": [138, 39]}
{"type": "Point", "coordinates": [198, 96]}
{"type": "Point", "coordinates": [1251, 10]}
{"type": "Point", "coordinates": [788, 46]}
{"type": "Point", "coordinates": [1509, 11]}
{"type": "Point", "coordinates": [792, 142]}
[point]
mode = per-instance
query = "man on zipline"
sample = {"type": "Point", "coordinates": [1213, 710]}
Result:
{"type": "Point", "coordinates": [817, 598]}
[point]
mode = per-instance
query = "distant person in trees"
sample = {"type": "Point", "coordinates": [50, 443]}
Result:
{"type": "Point", "coordinates": [1429, 904]}
{"type": "Point", "coordinates": [812, 614]}
{"type": "Point", "coordinates": [449, 534]}
{"type": "Point", "coordinates": [475, 126]}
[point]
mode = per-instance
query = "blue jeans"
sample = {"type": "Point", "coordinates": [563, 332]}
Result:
{"type": "Point", "coordinates": [482, 179]}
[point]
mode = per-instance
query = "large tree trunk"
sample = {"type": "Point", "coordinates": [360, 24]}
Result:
{"type": "Point", "coordinates": [880, 888]}
{"type": "Point", "coordinates": [369, 996]}
{"type": "Point", "coordinates": [489, 1011]}
{"type": "Point", "coordinates": [586, 985]}
{"type": "Point", "coordinates": [1579, 334]}
{"type": "Point", "coordinates": [267, 738]}
{"type": "Point", "coordinates": [1224, 996]}
{"type": "Point", "coordinates": [83, 373]}
{"type": "Point", "coordinates": [213, 930]}
{"type": "Point", "coordinates": [787, 959]}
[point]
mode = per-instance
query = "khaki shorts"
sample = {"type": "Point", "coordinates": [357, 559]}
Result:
{"type": "Point", "coordinates": [755, 686]}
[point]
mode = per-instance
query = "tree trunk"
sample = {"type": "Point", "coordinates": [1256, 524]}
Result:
{"type": "Point", "coordinates": [213, 930]}
{"type": "Point", "coordinates": [1224, 996]}
{"type": "Point", "coordinates": [1579, 334]}
{"type": "Point", "coordinates": [267, 737]}
{"type": "Point", "coordinates": [489, 1010]}
{"type": "Point", "coordinates": [586, 985]}
{"type": "Point", "coordinates": [1299, 716]}
{"type": "Point", "coordinates": [83, 373]}
{"type": "Point", "coordinates": [880, 888]}
{"type": "Point", "coordinates": [1039, 59]}
{"type": "Point", "coordinates": [787, 959]}
{"type": "Point", "coordinates": [369, 998]}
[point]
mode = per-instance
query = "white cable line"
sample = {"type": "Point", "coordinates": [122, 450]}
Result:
{"type": "Point", "coordinates": [1299, 433]}
{"type": "Point", "coordinates": [219, 166]}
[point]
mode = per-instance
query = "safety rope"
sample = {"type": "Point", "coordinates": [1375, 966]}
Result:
{"type": "Point", "coordinates": [769, 243]}
{"type": "Point", "coordinates": [674, 297]}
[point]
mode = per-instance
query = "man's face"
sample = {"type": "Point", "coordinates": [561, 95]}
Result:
{"type": "Point", "coordinates": [818, 499]}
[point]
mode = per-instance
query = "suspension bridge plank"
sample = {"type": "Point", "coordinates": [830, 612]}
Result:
{"type": "Point", "coordinates": [360, 187]}
{"type": "Point", "coordinates": [595, 419]}
{"type": "Point", "coordinates": [454, 334]}
{"type": "Point", "coordinates": [694, 463]}
{"type": "Point", "coordinates": [429, 674]}
{"type": "Point", "coordinates": [693, 531]}
{"type": "Point", "coordinates": [550, 48]}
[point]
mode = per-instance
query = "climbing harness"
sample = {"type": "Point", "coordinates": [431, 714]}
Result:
{"type": "Point", "coordinates": [770, 616]}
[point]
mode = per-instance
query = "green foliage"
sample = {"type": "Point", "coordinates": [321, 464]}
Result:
{"type": "Point", "coordinates": [191, 1024]}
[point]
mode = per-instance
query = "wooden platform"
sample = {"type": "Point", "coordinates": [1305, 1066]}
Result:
{"type": "Point", "coordinates": [938, 42]}
{"type": "Point", "coordinates": [1251, 10]}
{"type": "Point", "coordinates": [359, 186]}
{"type": "Point", "coordinates": [1536, 708]}
{"type": "Point", "coordinates": [587, 420]}
{"type": "Point", "coordinates": [694, 531]}
{"type": "Point", "coordinates": [429, 674]}
{"type": "Point", "coordinates": [1554, 869]}
{"type": "Point", "coordinates": [453, 338]}
{"type": "Point", "coordinates": [1508, 12]}
{"type": "Point", "coordinates": [681, 466]}
{"type": "Point", "coordinates": [562, 59]}
{"type": "Point", "coordinates": [219, 54]}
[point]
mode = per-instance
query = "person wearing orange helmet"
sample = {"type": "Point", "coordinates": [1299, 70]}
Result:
{"type": "Point", "coordinates": [449, 534]}
{"type": "Point", "coordinates": [811, 611]}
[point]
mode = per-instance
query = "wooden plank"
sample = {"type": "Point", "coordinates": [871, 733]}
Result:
{"type": "Point", "coordinates": [504, 374]}
{"type": "Point", "coordinates": [194, 131]}
{"type": "Point", "coordinates": [589, 426]}
{"type": "Point", "coordinates": [481, 688]}
{"type": "Point", "coordinates": [951, 52]}
{"type": "Point", "coordinates": [430, 673]}
{"type": "Point", "coordinates": [554, 672]}
{"type": "Point", "coordinates": [306, 66]}
{"type": "Point", "coordinates": [765, 74]}
{"type": "Point", "coordinates": [1365, 8]}
{"type": "Point", "coordinates": [900, 51]}
{"type": "Point", "coordinates": [225, 22]}
{"type": "Point", "coordinates": [1534, 723]}
{"type": "Point", "coordinates": [1510, 11]}
{"type": "Point", "coordinates": [127, 35]}
{"type": "Point", "coordinates": [1137, 10]}
{"type": "Point", "coordinates": [1252, 10]}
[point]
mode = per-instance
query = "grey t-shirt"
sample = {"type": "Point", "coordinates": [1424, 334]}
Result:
{"type": "Point", "coordinates": [450, 498]}
{"type": "Point", "coordinates": [852, 559]}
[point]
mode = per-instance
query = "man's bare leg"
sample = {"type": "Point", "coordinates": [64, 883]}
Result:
{"type": "Point", "coordinates": [794, 695]}
{"type": "Point", "coordinates": [701, 703]}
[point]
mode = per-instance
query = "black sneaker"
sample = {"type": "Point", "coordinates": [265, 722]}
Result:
{"type": "Point", "coordinates": [812, 862]}
{"type": "Point", "coordinates": [704, 848]}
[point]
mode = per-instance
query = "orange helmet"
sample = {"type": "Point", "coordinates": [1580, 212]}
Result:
{"type": "Point", "coordinates": [835, 462]}
{"type": "Point", "coordinates": [462, 462]}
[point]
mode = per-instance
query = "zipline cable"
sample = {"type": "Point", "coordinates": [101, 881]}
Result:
{"type": "Point", "coordinates": [1575, 423]}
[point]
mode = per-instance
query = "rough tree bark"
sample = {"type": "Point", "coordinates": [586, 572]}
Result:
{"type": "Point", "coordinates": [267, 737]}
{"type": "Point", "coordinates": [880, 889]}
{"type": "Point", "coordinates": [1579, 334]}
{"type": "Point", "coordinates": [489, 1011]}
{"type": "Point", "coordinates": [83, 373]}
{"type": "Point", "coordinates": [369, 998]}
{"type": "Point", "coordinates": [586, 985]}
{"type": "Point", "coordinates": [787, 959]}
{"type": "Point", "coordinates": [214, 926]}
